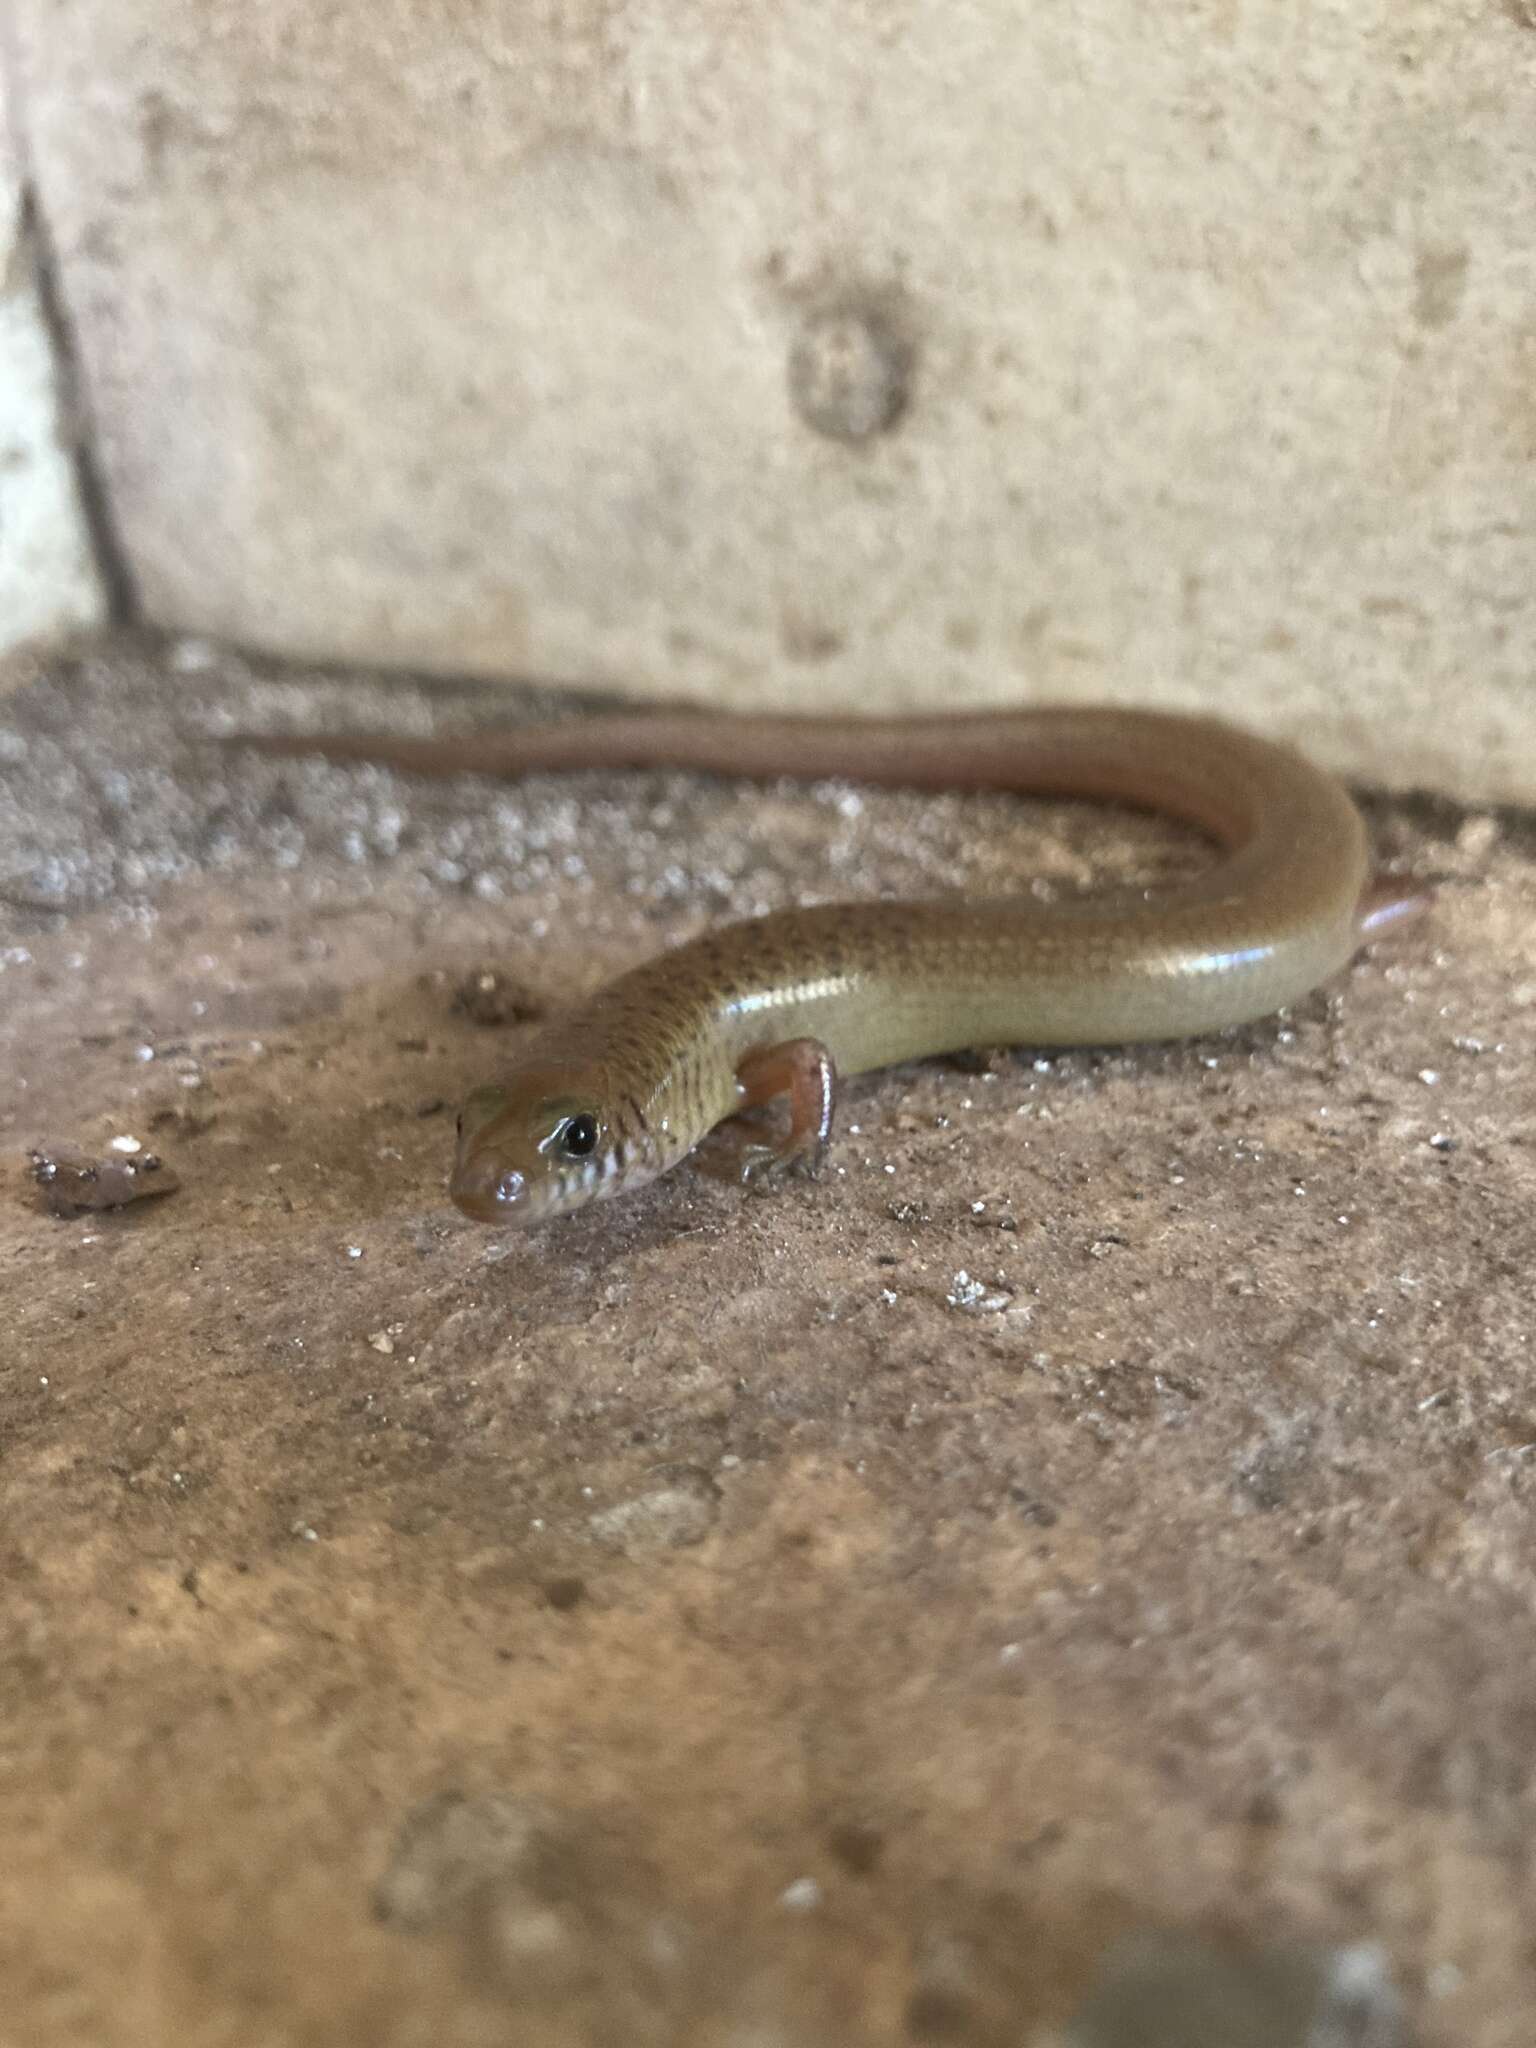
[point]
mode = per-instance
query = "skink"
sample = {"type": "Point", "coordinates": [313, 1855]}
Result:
{"type": "Point", "coordinates": [616, 1093]}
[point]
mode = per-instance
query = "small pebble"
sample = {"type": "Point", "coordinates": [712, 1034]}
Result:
{"type": "Point", "coordinates": [803, 1896]}
{"type": "Point", "coordinates": [74, 1181]}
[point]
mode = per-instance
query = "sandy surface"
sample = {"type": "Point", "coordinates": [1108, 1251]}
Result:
{"type": "Point", "coordinates": [1102, 1501]}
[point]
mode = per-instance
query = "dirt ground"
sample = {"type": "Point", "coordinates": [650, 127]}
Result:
{"type": "Point", "coordinates": [1102, 1502]}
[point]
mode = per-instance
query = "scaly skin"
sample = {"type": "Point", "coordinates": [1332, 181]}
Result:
{"type": "Point", "coordinates": [651, 1064]}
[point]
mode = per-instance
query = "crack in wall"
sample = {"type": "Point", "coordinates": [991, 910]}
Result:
{"type": "Point", "coordinates": [35, 248]}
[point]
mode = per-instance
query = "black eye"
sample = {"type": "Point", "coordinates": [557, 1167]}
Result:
{"type": "Point", "coordinates": [579, 1137]}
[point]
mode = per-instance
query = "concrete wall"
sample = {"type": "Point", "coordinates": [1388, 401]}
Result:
{"type": "Point", "coordinates": [49, 586]}
{"type": "Point", "coordinates": [879, 353]}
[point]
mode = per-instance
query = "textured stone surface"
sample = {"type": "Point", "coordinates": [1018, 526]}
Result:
{"type": "Point", "coordinates": [49, 588]}
{"type": "Point", "coordinates": [873, 353]}
{"type": "Point", "coordinates": [1159, 1993]}
{"type": "Point", "coordinates": [1103, 1501]}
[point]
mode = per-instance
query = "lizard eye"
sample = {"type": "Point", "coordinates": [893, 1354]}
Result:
{"type": "Point", "coordinates": [579, 1137]}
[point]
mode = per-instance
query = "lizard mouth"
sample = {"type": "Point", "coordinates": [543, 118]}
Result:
{"type": "Point", "coordinates": [488, 1192]}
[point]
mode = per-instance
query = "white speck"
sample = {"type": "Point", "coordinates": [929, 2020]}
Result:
{"type": "Point", "coordinates": [803, 1896]}
{"type": "Point", "coordinates": [354, 1251]}
{"type": "Point", "coordinates": [1433, 1400]}
{"type": "Point", "coordinates": [143, 1053]}
{"type": "Point", "coordinates": [381, 1340]}
{"type": "Point", "coordinates": [975, 1297]}
{"type": "Point", "coordinates": [1428, 1076]}
{"type": "Point", "coordinates": [729, 1462]}
{"type": "Point", "coordinates": [537, 1522]}
{"type": "Point", "coordinates": [305, 1533]}
{"type": "Point", "coordinates": [43, 1380]}
{"type": "Point", "coordinates": [123, 1143]}
{"type": "Point", "coordinates": [1010, 1653]}
{"type": "Point", "coordinates": [1477, 835]}
{"type": "Point", "coordinates": [888, 1296]}
{"type": "Point", "coordinates": [193, 657]}
{"type": "Point", "coordinates": [978, 1208]}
